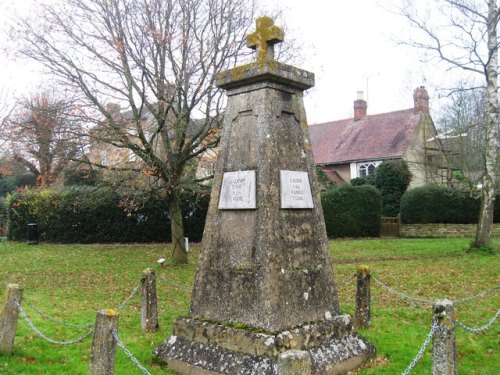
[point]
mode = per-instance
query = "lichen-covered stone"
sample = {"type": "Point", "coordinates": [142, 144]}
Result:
{"type": "Point", "coordinates": [335, 356]}
{"type": "Point", "coordinates": [264, 283]}
{"type": "Point", "coordinates": [294, 362]}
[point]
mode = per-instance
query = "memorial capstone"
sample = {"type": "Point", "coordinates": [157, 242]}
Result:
{"type": "Point", "coordinates": [264, 283]}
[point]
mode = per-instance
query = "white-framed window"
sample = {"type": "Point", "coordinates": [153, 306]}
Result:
{"type": "Point", "coordinates": [366, 169]}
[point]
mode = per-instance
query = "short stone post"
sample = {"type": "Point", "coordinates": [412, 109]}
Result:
{"type": "Point", "coordinates": [149, 302]}
{"type": "Point", "coordinates": [102, 358]}
{"type": "Point", "coordinates": [8, 319]}
{"type": "Point", "coordinates": [362, 314]}
{"type": "Point", "coordinates": [294, 362]}
{"type": "Point", "coordinates": [444, 350]}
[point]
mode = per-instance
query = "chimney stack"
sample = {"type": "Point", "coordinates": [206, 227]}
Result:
{"type": "Point", "coordinates": [421, 100]}
{"type": "Point", "coordinates": [360, 106]}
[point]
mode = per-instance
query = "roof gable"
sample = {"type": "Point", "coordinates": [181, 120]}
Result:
{"type": "Point", "coordinates": [374, 137]}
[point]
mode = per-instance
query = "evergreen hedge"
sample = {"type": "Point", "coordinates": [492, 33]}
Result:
{"type": "Point", "coordinates": [352, 211]}
{"type": "Point", "coordinates": [437, 204]}
{"type": "Point", "coordinates": [391, 178]}
{"type": "Point", "coordinates": [89, 215]}
{"type": "Point", "coordinates": [83, 214]}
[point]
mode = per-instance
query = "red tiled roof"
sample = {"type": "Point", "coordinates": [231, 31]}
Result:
{"type": "Point", "coordinates": [375, 137]}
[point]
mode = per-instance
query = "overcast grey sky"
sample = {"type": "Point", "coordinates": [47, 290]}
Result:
{"type": "Point", "coordinates": [347, 44]}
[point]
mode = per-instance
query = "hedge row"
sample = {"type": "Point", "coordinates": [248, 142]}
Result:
{"type": "Point", "coordinates": [89, 215]}
{"type": "Point", "coordinates": [352, 211]}
{"type": "Point", "coordinates": [437, 204]}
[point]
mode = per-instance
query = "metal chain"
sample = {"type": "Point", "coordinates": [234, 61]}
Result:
{"type": "Point", "coordinates": [126, 301]}
{"type": "Point", "coordinates": [40, 334]}
{"type": "Point", "coordinates": [480, 295]}
{"type": "Point", "coordinates": [182, 287]}
{"type": "Point", "coordinates": [422, 350]}
{"type": "Point", "coordinates": [53, 320]}
{"type": "Point", "coordinates": [480, 329]}
{"type": "Point", "coordinates": [401, 294]}
{"type": "Point", "coordinates": [128, 354]}
{"type": "Point", "coordinates": [346, 281]}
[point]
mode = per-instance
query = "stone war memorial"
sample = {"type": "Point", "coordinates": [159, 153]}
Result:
{"type": "Point", "coordinates": [264, 299]}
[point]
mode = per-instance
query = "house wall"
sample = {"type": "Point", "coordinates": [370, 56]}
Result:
{"type": "Point", "coordinates": [426, 161]}
{"type": "Point", "coordinates": [344, 171]}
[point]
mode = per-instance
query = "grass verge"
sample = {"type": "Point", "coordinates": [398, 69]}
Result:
{"type": "Point", "coordinates": [71, 282]}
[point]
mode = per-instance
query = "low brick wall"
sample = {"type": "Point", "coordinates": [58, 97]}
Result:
{"type": "Point", "coordinates": [442, 230]}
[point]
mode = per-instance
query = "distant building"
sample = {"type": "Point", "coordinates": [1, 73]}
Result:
{"type": "Point", "coordinates": [351, 148]}
{"type": "Point", "coordinates": [103, 152]}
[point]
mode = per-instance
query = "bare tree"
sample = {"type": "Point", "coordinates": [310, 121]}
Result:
{"type": "Point", "coordinates": [159, 60]}
{"type": "Point", "coordinates": [5, 111]}
{"type": "Point", "coordinates": [463, 35]}
{"type": "Point", "coordinates": [462, 123]}
{"type": "Point", "coordinates": [40, 135]}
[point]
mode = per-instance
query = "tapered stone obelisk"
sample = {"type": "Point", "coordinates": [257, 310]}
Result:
{"type": "Point", "coordinates": [264, 283]}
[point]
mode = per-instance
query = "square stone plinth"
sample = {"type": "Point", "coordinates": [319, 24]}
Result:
{"type": "Point", "coordinates": [198, 347]}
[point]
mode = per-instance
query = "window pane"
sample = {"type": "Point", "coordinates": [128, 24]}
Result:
{"type": "Point", "coordinates": [371, 169]}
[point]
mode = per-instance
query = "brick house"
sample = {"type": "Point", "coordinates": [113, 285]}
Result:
{"type": "Point", "coordinates": [354, 147]}
{"type": "Point", "coordinates": [106, 154]}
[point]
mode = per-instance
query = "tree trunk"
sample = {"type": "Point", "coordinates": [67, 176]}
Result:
{"type": "Point", "coordinates": [179, 254]}
{"type": "Point", "coordinates": [488, 192]}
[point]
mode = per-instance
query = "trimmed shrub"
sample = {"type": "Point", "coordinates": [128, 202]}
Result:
{"type": "Point", "coordinates": [437, 204]}
{"type": "Point", "coordinates": [352, 211]}
{"type": "Point", "coordinates": [360, 181]}
{"type": "Point", "coordinates": [392, 179]}
{"type": "Point", "coordinates": [89, 215]}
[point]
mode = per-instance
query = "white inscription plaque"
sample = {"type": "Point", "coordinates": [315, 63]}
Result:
{"type": "Point", "coordinates": [295, 190]}
{"type": "Point", "coordinates": [238, 191]}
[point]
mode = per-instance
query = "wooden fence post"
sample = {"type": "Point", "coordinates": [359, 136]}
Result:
{"type": "Point", "coordinates": [102, 358]}
{"type": "Point", "coordinates": [444, 351]}
{"type": "Point", "coordinates": [362, 314]}
{"type": "Point", "coordinates": [8, 318]}
{"type": "Point", "coordinates": [149, 302]}
{"type": "Point", "coordinates": [294, 362]}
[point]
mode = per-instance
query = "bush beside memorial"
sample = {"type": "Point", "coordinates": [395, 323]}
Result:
{"type": "Point", "coordinates": [437, 204]}
{"type": "Point", "coordinates": [91, 215]}
{"type": "Point", "coordinates": [352, 211]}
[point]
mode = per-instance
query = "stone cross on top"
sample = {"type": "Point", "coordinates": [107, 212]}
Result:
{"type": "Point", "coordinates": [266, 35]}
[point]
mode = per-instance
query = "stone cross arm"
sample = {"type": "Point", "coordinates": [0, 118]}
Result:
{"type": "Point", "coordinates": [266, 35]}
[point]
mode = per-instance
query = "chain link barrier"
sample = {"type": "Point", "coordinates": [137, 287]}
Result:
{"type": "Point", "coordinates": [480, 295]}
{"type": "Point", "coordinates": [171, 283]}
{"type": "Point", "coordinates": [52, 341]}
{"type": "Point", "coordinates": [129, 354]}
{"type": "Point", "coordinates": [422, 350]}
{"type": "Point", "coordinates": [53, 320]}
{"type": "Point", "coordinates": [127, 300]}
{"type": "Point", "coordinates": [346, 281]}
{"type": "Point", "coordinates": [83, 325]}
{"type": "Point", "coordinates": [401, 294]}
{"type": "Point", "coordinates": [480, 329]}
{"type": "Point", "coordinates": [428, 301]}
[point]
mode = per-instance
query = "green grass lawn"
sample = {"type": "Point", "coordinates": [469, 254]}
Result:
{"type": "Point", "coordinates": [71, 282]}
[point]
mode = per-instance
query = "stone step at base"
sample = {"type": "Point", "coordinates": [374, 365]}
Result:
{"type": "Point", "coordinates": [340, 351]}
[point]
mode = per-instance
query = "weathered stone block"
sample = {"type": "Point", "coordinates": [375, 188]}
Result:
{"type": "Point", "coordinates": [264, 282]}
